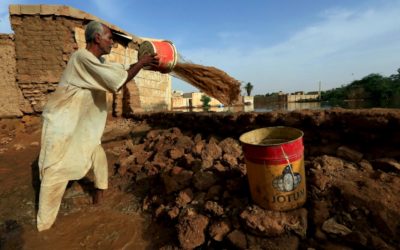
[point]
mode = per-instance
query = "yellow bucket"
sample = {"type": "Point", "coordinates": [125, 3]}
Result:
{"type": "Point", "coordinates": [274, 159]}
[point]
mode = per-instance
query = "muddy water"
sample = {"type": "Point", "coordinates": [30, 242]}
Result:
{"type": "Point", "coordinates": [212, 81]}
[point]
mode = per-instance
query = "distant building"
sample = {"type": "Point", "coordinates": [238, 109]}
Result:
{"type": "Point", "coordinates": [300, 96]}
{"type": "Point", "coordinates": [248, 100]}
{"type": "Point", "coordinates": [177, 93]}
{"type": "Point", "coordinates": [192, 99]}
{"type": "Point", "coordinates": [293, 97]}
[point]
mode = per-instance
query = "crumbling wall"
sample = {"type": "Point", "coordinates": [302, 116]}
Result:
{"type": "Point", "coordinates": [43, 47]}
{"type": "Point", "coordinates": [9, 94]}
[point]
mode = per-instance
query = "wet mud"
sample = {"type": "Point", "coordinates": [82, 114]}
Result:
{"type": "Point", "coordinates": [177, 184]}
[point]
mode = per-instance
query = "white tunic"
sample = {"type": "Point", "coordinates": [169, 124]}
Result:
{"type": "Point", "coordinates": [75, 117]}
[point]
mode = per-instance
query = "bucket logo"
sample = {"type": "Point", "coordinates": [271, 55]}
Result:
{"type": "Point", "coordinates": [288, 181]}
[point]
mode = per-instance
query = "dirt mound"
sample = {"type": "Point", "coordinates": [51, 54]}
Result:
{"type": "Point", "coordinates": [200, 186]}
{"type": "Point", "coordinates": [173, 188]}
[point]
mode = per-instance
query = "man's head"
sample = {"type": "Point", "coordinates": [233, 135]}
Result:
{"type": "Point", "coordinates": [99, 35]}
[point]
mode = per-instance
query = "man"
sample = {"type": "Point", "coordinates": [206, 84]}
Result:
{"type": "Point", "coordinates": [74, 119]}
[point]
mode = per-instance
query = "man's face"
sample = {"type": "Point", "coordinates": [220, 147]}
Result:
{"type": "Point", "coordinates": [105, 41]}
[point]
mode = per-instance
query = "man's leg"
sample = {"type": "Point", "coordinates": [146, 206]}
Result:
{"type": "Point", "coordinates": [100, 169]}
{"type": "Point", "coordinates": [49, 203]}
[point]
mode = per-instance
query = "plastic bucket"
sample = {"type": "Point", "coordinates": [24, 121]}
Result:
{"type": "Point", "coordinates": [165, 50]}
{"type": "Point", "coordinates": [274, 159]}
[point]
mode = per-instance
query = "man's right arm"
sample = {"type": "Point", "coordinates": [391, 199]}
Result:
{"type": "Point", "coordinates": [146, 60]}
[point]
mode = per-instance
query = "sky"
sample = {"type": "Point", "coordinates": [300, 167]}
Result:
{"type": "Point", "coordinates": [285, 45]}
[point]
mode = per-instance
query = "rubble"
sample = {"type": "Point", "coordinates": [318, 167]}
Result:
{"type": "Point", "coordinates": [200, 200]}
{"type": "Point", "coordinates": [205, 192]}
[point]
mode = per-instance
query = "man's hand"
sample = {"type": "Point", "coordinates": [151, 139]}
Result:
{"type": "Point", "coordinates": [151, 61]}
{"type": "Point", "coordinates": [148, 61]}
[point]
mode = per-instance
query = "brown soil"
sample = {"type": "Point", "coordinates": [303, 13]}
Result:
{"type": "Point", "coordinates": [181, 189]}
{"type": "Point", "coordinates": [115, 224]}
{"type": "Point", "coordinates": [212, 81]}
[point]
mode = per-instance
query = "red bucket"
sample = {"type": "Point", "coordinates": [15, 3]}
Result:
{"type": "Point", "coordinates": [165, 50]}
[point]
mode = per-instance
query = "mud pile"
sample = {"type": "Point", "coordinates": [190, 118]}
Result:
{"type": "Point", "coordinates": [198, 187]}
{"type": "Point", "coordinates": [178, 180]}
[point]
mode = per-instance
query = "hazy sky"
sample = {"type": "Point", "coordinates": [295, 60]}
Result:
{"type": "Point", "coordinates": [285, 45]}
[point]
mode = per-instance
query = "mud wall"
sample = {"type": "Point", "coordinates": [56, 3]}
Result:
{"type": "Point", "coordinates": [43, 47]}
{"type": "Point", "coordinates": [371, 132]}
{"type": "Point", "coordinates": [9, 94]}
{"type": "Point", "coordinates": [44, 39]}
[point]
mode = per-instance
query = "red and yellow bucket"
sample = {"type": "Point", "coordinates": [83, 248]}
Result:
{"type": "Point", "coordinates": [275, 167]}
{"type": "Point", "coordinates": [165, 50]}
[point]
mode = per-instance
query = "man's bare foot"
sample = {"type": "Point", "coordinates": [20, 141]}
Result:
{"type": "Point", "coordinates": [98, 196]}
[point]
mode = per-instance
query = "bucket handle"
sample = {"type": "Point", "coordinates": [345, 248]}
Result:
{"type": "Point", "coordinates": [288, 162]}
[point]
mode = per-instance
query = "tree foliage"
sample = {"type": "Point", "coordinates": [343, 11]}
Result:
{"type": "Point", "coordinates": [375, 88]}
{"type": "Point", "coordinates": [205, 100]}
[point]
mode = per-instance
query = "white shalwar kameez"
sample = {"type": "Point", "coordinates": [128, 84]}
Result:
{"type": "Point", "coordinates": [73, 123]}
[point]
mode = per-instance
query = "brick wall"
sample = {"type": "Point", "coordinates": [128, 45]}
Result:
{"type": "Point", "coordinates": [9, 95]}
{"type": "Point", "coordinates": [154, 90]}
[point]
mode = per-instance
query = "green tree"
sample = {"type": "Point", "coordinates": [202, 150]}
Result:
{"type": "Point", "coordinates": [206, 101]}
{"type": "Point", "coordinates": [378, 90]}
{"type": "Point", "coordinates": [248, 87]}
{"type": "Point", "coordinates": [396, 77]}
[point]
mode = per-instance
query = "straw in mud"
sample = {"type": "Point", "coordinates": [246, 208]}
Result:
{"type": "Point", "coordinates": [210, 80]}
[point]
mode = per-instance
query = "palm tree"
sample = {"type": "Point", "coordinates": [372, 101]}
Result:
{"type": "Point", "coordinates": [248, 87]}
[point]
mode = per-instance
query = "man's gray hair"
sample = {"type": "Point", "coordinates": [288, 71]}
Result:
{"type": "Point", "coordinates": [92, 28]}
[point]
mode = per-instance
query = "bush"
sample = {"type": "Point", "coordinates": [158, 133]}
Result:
{"type": "Point", "coordinates": [205, 100]}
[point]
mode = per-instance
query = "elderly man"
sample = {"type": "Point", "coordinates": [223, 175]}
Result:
{"type": "Point", "coordinates": [74, 119]}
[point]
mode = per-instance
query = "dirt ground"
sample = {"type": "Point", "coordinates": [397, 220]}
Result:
{"type": "Point", "coordinates": [116, 224]}
{"type": "Point", "coordinates": [172, 189]}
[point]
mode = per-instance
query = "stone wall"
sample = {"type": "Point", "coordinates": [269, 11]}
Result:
{"type": "Point", "coordinates": [9, 94]}
{"type": "Point", "coordinates": [45, 38]}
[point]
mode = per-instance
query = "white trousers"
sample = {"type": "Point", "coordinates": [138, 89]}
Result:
{"type": "Point", "coordinates": [50, 196]}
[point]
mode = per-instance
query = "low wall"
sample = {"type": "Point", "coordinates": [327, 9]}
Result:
{"type": "Point", "coordinates": [373, 132]}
